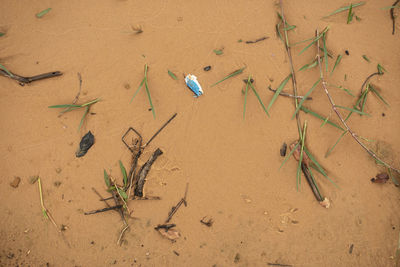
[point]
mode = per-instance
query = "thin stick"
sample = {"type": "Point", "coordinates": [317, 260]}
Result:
{"type": "Point", "coordinates": [122, 234]}
{"type": "Point", "coordinates": [159, 130]}
{"type": "Point", "coordinates": [23, 80]}
{"type": "Point", "coordinates": [353, 134]}
{"type": "Point", "coordinates": [368, 78]}
{"type": "Point", "coordinates": [174, 209]}
{"type": "Point", "coordinates": [289, 53]}
{"type": "Point", "coordinates": [393, 17]}
{"type": "Point", "coordinates": [103, 210]}
{"type": "Point", "coordinates": [289, 95]}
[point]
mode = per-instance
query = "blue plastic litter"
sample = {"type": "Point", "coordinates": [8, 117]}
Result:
{"type": "Point", "coordinates": [194, 85]}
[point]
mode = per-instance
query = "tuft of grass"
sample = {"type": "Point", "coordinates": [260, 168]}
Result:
{"type": "Point", "coordinates": [277, 92]}
{"type": "Point", "coordinates": [338, 59]}
{"type": "Point", "coordinates": [306, 110]}
{"type": "Point", "coordinates": [340, 138]}
{"type": "Point", "coordinates": [236, 72]}
{"type": "Point", "coordinates": [342, 9]}
{"type": "Point", "coordinates": [2, 34]}
{"type": "Point", "coordinates": [358, 102]}
{"type": "Point", "coordinates": [305, 97]}
{"type": "Point", "coordinates": [173, 76]}
{"type": "Point", "coordinates": [146, 86]}
{"type": "Point", "coordinates": [366, 58]}
{"type": "Point", "coordinates": [43, 12]}
{"type": "Point", "coordinates": [70, 107]}
{"type": "Point", "coordinates": [245, 96]}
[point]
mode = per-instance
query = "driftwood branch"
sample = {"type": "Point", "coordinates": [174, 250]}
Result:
{"type": "Point", "coordinates": [334, 107]}
{"type": "Point", "coordinates": [144, 171]}
{"type": "Point", "coordinates": [23, 80]}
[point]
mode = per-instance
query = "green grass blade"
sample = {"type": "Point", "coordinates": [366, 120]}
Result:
{"type": "Point", "coordinates": [6, 70]}
{"type": "Point", "coordinates": [281, 86]}
{"type": "Point", "coordinates": [90, 102]}
{"type": "Point", "coordinates": [245, 96]}
{"type": "Point", "coordinates": [65, 106]}
{"type": "Point", "coordinates": [375, 91]}
{"type": "Point", "coordinates": [325, 121]}
{"type": "Point", "coordinates": [83, 118]}
{"type": "Point", "coordinates": [315, 39]}
{"type": "Point", "coordinates": [236, 72]}
{"type": "Point", "coordinates": [394, 180]}
{"type": "Point", "coordinates": [365, 98]}
{"type": "Point", "coordinates": [352, 110]}
{"type": "Point", "coordinates": [325, 52]}
{"type": "Point", "coordinates": [288, 155]}
{"type": "Point", "coordinates": [318, 167]}
{"type": "Point", "coordinates": [381, 69]}
{"type": "Point", "coordinates": [338, 59]}
{"type": "Point", "coordinates": [350, 15]}
{"type": "Point", "coordinates": [259, 98]}
{"type": "Point", "coordinates": [107, 179]}
{"type": "Point", "coordinates": [300, 42]}
{"type": "Point", "coordinates": [305, 97]}
{"type": "Point", "coordinates": [343, 89]}
{"type": "Point", "coordinates": [173, 76]}
{"type": "Point", "coordinates": [342, 9]}
{"type": "Point", "coordinates": [306, 110]}
{"type": "Point", "coordinates": [122, 193]}
{"type": "Point", "coordinates": [366, 58]}
{"type": "Point", "coordinates": [123, 171]}
{"type": "Point", "coordinates": [2, 34]}
{"type": "Point", "coordinates": [309, 65]}
{"type": "Point", "coordinates": [137, 91]}
{"type": "Point", "coordinates": [330, 150]}
{"type": "Point", "coordinates": [42, 13]}
{"type": "Point", "coordinates": [218, 52]}
{"type": "Point", "coordinates": [149, 96]}
{"type": "Point", "coordinates": [302, 140]}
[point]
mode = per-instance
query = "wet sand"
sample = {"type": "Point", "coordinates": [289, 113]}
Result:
{"type": "Point", "coordinates": [231, 163]}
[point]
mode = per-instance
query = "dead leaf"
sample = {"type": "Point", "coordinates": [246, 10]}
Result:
{"type": "Point", "coordinates": [380, 178]}
{"type": "Point", "coordinates": [171, 234]}
{"type": "Point", "coordinates": [296, 153]}
{"type": "Point", "coordinates": [15, 182]}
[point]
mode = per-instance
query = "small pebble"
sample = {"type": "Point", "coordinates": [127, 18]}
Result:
{"type": "Point", "coordinates": [237, 258]}
{"type": "Point", "coordinates": [207, 68]}
{"type": "Point", "coordinates": [58, 170]}
{"type": "Point", "coordinates": [283, 149]}
{"type": "Point", "coordinates": [347, 52]}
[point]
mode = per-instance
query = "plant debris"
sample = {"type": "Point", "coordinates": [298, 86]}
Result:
{"type": "Point", "coordinates": [380, 178]}
{"type": "Point", "coordinates": [208, 222]}
{"type": "Point", "coordinates": [207, 68]}
{"type": "Point", "coordinates": [257, 40]}
{"type": "Point", "coordinates": [15, 182]}
{"type": "Point", "coordinates": [86, 143]}
{"type": "Point", "coordinates": [23, 80]}
{"type": "Point", "coordinates": [283, 149]}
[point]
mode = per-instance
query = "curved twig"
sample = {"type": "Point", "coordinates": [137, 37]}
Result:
{"type": "Point", "coordinates": [353, 134]}
{"type": "Point", "coordinates": [23, 80]}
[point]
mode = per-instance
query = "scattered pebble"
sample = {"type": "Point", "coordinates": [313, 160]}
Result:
{"type": "Point", "coordinates": [283, 149]}
{"type": "Point", "coordinates": [127, 86]}
{"type": "Point", "coordinates": [86, 143]}
{"type": "Point", "coordinates": [15, 182]}
{"type": "Point", "coordinates": [237, 258]}
{"type": "Point", "coordinates": [58, 170]}
{"type": "Point", "coordinates": [347, 52]}
{"type": "Point", "coordinates": [207, 68]}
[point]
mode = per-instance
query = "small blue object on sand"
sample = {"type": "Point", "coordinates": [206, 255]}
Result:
{"type": "Point", "coordinates": [194, 85]}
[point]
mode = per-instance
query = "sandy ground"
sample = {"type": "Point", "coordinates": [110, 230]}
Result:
{"type": "Point", "coordinates": [231, 164]}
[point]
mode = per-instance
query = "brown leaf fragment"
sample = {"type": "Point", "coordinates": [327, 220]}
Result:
{"type": "Point", "coordinates": [380, 178]}
{"type": "Point", "coordinates": [171, 234]}
{"type": "Point", "coordinates": [15, 182]}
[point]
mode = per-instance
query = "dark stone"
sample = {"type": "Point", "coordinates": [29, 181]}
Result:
{"type": "Point", "coordinates": [86, 143]}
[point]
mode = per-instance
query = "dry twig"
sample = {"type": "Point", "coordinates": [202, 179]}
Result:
{"type": "Point", "coordinates": [334, 107]}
